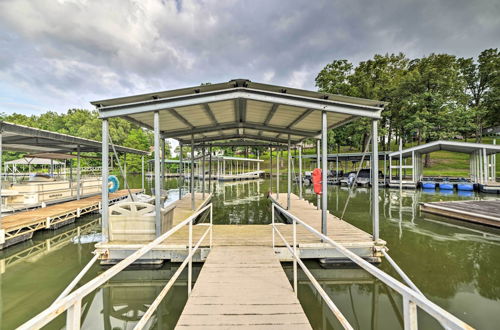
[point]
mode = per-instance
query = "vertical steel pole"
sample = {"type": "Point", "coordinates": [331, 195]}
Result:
{"type": "Point", "coordinates": [324, 203]}
{"type": "Point", "coordinates": [105, 175]}
{"type": "Point", "coordinates": [374, 162]}
{"type": "Point", "coordinates": [485, 164]}
{"type": "Point", "coordinates": [271, 171]}
{"type": "Point", "coordinates": [400, 162]}
{"type": "Point", "coordinates": [337, 169]}
{"type": "Point", "coordinates": [2, 231]}
{"type": "Point", "coordinates": [78, 173]}
{"type": "Point", "coordinates": [295, 256]}
{"type": "Point", "coordinates": [258, 158]}
{"type": "Point", "coordinates": [142, 173]}
{"type": "Point", "coordinates": [289, 175]}
{"type": "Point", "coordinates": [156, 126]}
{"type": "Point", "coordinates": [300, 171]}
{"type": "Point", "coordinates": [318, 198]}
{"type": "Point", "coordinates": [190, 264]}
{"type": "Point", "coordinates": [181, 171]}
{"type": "Point", "coordinates": [192, 172]}
{"type": "Point", "coordinates": [163, 165]}
{"type": "Point", "coordinates": [203, 172]}
{"type": "Point", "coordinates": [277, 176]}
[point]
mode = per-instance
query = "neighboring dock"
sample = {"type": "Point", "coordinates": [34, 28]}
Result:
{"type": "Point", "coordinates": [245, 287]}
{"type": "Point", "coordinates": [485, 212]}
{"type": "Point", "coordinates": [20, 226]}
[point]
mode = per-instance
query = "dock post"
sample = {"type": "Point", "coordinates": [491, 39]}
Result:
{"type": "Point", "coordinates": [203, 171]}
{"type": "Point", "coordinates": [156, 124]}
{"type": "Point", "coordinates": [300, 171]}
{"type": "Point", "coordinates": [192, 172]}
{"type": "Point", "coordinates": [271, 170]}
{"type": "Point", "coordinates": [400, 162]}
{"type": "Point", "coordinates": [163, 165]}
{"type": "Point", "coordinates": [324, 196]}
{"type": "Point", "coordinates": [277, 174]}
{"type": "Point", "coordinates": [289, 175]}
{"type": "Point", "coordinates": [374, 164]}
{"type": "Point", "coordinates": [485, 160]}
{"type": "Point", "coordinates": [2, 233]}
{"type": "Point", "coordinates": [78, 173]}
{"type": "Point", "coordinates": [181, 171]}
{"type": "Point", "coordinates": [337, 169]}
{"type": "Point", "coordinates": [142, 173]}
{"type": "Point", "coordinates": [318, 199]}
{"type": "Point", "coordinates": [105, 175]}
{"type": "Point", "coordinates": [258, 158]}
{"type": "Point", "coordinates": [210, 167]}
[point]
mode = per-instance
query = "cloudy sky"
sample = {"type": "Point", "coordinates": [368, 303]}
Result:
{"type": "Point", "coordinates": [56, 55]}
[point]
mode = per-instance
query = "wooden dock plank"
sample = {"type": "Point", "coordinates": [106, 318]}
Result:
{"type": "Point", "coordinates": [486, 212]}
{"type": "Point", "coordinates": [243, 287]}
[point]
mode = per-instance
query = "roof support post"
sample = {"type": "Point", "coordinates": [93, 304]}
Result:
{"type": "Point", "coordinates": [337, 169]}
{"type": "Point", "coordinates": [156, 125]}
{"type": "Point", "coordinates": [210, 168]}
{"type": "Point", "coordinates": [300, 171]}
{"type": "Point", "coordinates": [258, 158]}
{"type": "Point", "coordinates": [324, 196]}
{"type": "Point", "coordinates": [271, 170]}
{"type": "Point", "coordinates": [485, 161]}
{"type": "Point", "coordinates": [400, 162]}
{"type": "Point", "coordinates": [192, 172]}
{"type": "Point", "coordinates": [105, 175]}
{"type": "Point", "coordinates": [181, 171]}
{"type": "Point", "coordinates": [203, 172]}
{"type": "Point", "coordinates": [142, 173]}
{"type": "Point", "coordinates": [318, 201]}
{"type": "Point", "coordinates": [78, 174]}
{"type": "Point", "coordinates": [494, 164]}
{"type": "Point", "coordinates": [125, 169]}
{"type": "Point", "coordinates": [2, 231]}
{"type": "Point", "coordinates": [374, 163]}
{"type": "Point", "coordinates": [163, 165]}
{"type": "Point", "coordinates": [289, 175]}
{"type": "Point", "coordinates": [277, 175]}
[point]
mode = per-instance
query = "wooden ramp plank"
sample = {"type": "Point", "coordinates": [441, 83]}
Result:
{"type": "Point", "coordinates": [242, 287]}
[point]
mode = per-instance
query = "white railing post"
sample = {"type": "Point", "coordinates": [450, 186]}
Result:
{"type": "Point", "coordinates": [73, 316]}
{"type": "Point", "coordinates": [190, 264]}
{"type": "Point", "coordinates": [295, 256]}
{"type": "Point", "coordinates": [410, 314]}
{"type": "Point", "coordinates": [272, 222]}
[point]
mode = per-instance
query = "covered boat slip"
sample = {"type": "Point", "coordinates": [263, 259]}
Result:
{"type": "Point", "coordinates": [482, 164]}
{"type": "Point", "coordinates": [225, 168]}
{"type": "Point", "coordinates": [29, 198]}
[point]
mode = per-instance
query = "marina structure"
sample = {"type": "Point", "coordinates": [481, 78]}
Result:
{"type": "Point", "coordinates": [48, 202]}
{"type": "Point", "coordinates": [244, 258]}
{"type": "Point", "coordinates": [482, 164]}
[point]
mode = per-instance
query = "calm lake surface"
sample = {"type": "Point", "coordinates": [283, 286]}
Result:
{"type": "Point", "coordinates": [454, 264]}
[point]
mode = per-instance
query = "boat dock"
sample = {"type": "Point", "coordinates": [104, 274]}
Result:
{"type": "Point", "coordinates": [242, 286]}
{"type": "Point", "coordinates": [485, 212]}
{"type": "Point", "coordinates": [20, 226]}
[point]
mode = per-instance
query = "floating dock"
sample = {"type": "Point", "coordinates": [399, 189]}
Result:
{"type": "Point", "coordinates": [485, 212]}
{"type": "Point", "coordinates": [245, 287]}
{"type": "Point", "coordinates": [175, 248]}
{"type": "Point", "coordinates": [20, 226]}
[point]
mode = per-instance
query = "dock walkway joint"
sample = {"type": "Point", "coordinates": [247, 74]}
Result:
{"type": "Point", "coordinates": [244, 287]}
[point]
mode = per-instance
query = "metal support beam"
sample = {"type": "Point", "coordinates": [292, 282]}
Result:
{"type": "Point", "coordinates": [163, 165]}
{"type": "Point", "coordinates": [78, 174]}
{"type": "Point", "coordinates": [192, 172]}
{"type": "Point", "coordinates": [300, 171]}
{"type": "Point", "coordinates": [318, 198]}
{"type": "Point", "coordinates": [324, 196]}
{"type": "Point", "coordinates": [105, 175]}
{"type": "Point", "coordinates": [271, 170]}
{"type": "Point", "coordinates": [277, 175]}
{"type": "Point", "coordinates": [142, 173]}
{"type": "Point", "coordinates": [203, 172]}
{"type": "Point", "coordinates": [2, 231]}
{"type": "Point", "coordinates": [374, 163]}
{"type": "Point", "coordinates": [181, 171]}
{"type": "Point", "coordinates": [289, 175]}
{"type": "Point", "coordinates": [400, 162]}
{"type": "Point", "coordinates": [156, 125]}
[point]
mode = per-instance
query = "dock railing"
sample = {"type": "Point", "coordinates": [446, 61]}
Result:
{"type": "Point", "coordinates": [411, 298]}
{"type": "Point", "coordinates": [72, 302]}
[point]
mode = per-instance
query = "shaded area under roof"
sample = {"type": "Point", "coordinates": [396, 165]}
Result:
{"type": "Point", "coordinates": [239, 110]}
{"type": "Point", "coordinates": [350, 156]}
{"type": "Point", "coordinates": [454, 146]}
{"type": "Point", "coordinates": [32, 161]}
{"type": "Point", "coordinates": [33, 140]}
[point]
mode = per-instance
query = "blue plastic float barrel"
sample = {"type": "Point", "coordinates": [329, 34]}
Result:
{"type": "Point", "coordinates": [465, 186]}
{"type": "Point", "coordinates": [113, 183]}
{"type": "Point", "coordinates": [428, 185]}
{"type": "Point", "coordinates": [445, 186]}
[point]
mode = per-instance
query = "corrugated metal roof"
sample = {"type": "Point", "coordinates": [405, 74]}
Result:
{"type": "Point", "coordinates": [239, 109]}
{"type": "Point", "coordinates": [455, 146]}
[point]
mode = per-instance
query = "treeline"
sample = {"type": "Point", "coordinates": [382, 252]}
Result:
{"type": "Point", "coordinates": [439, 96]}
{"type": "Point", "coordinates": [86, 124]}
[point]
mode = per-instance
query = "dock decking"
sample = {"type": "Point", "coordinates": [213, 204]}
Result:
{"type": "Point", "coordinates": [20, 226]}
{"type": "Point", "coordinates": [486, 212]}
{"type": "Point", "coordinates": [244, 287]}
{"type": "Point", "coordinates": [175, 248]}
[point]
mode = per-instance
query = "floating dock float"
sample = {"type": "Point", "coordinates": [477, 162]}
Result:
{"type": "Point", "coordinates": [486, 212]}
{"type": "Point", "coordinates": [20, 226]}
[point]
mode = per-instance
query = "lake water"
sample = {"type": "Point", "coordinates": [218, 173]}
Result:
{"type": "Point", "coordinates": [454, 264]}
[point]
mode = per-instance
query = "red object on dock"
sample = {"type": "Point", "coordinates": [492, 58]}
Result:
{"type": "Point", "coordinates": [317, 177]}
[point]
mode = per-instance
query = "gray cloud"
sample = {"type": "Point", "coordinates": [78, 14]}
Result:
{"type": "Point", "coordinates": [61, 54]}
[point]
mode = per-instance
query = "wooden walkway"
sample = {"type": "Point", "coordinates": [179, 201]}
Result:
{"type": "Point", "coordinates": [20, 226]}
{"type": "Point", "coordinates": [486, 212]}
{"type": "Point", "coordinates": [243, 287]}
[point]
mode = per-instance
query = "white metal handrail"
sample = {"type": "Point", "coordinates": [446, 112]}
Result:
{"type": "Point", "coordinates": [73, 301]}
{"type": "Point", "coordinates": [411, 298]}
